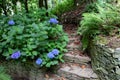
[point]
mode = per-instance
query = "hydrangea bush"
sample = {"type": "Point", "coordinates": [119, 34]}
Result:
{"type": "Point", "coordinates": [27, 38]}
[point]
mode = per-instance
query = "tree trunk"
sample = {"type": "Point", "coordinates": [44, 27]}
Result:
{"type": "Point", "coordinates": [15, 5]}
{"type": "Point", "coordinates": [3, 6]}
{"type": "Point", "coordinates": [40, 3]}
{"type": "Point", "coordinates": [75, 2]}
{"type": "Point", "coordinates": [46, 6]}
{"type": "Point", "coordinates": [26, 6]}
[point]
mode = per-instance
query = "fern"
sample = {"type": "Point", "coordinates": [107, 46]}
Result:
{"type": "Point", "coordinates": [3, 75]}
{"type": "Point", "coordinates": [102, 22]}
{"type": "Point", "coordinates": [90, 26]}
{"type": "Point", "coordinates": [91, 8]}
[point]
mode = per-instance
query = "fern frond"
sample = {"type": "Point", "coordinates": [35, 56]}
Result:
{"type": "Point", "coordinates": [3, 75]}
{"type": "Point", "coordinates": [102, 22]}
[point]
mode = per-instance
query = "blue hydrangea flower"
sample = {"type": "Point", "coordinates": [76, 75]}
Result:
{"type": "Point", "coordinates": [16, 55]}
{"type": "Point", "coordinates": [39, 61]}
{"type": "Point", "coordinates": [53, 21]}
{"type": "Point", "coordinates": [11, 22]}
{"type": "Point", "coordinates": [50, 55]}
{"type": "Point", "coordinates": [55, 51]}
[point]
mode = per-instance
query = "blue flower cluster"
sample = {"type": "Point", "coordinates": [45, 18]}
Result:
{"type": "Point", "coordinates": [53, 53]}
{"type": "Point", "coordinates": [16, 55]}
{"type": "Point", "coordinates": [50, 55]}
{"type": "Point", "coordinates": [39, 61]}
{"type": "Point", "coordinates": [11, 22]}
{"type": "Point", "coordinates": [53, 21]}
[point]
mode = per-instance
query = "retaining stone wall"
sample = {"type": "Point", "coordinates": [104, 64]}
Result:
{"type": "Point", "coordinates": [105, 62]}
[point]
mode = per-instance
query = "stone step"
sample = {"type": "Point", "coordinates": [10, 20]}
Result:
{"type": "Point", "coordinates": [73, 46]}
{"type": "Point", "coordinates": [71, 37]}
{"type": "Point", "coordinates": [73, 34]}
{"type": "Point", "coordinates": [74, 41]}
{"type": "Point", "coordinates": [72, 58]}
{"type": "Point", "coordinates": [71, 40]}
{"type": "Point", "coordinates": [75, 72]}
{"type": "Point", "coordinates": [53, 77]}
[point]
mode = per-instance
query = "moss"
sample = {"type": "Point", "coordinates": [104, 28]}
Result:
{"type": "Point", "coordinates": [101, 40]}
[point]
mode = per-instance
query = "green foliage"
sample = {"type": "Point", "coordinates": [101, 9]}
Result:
{"type": "Point", "coordinates": [10, 7]}
{"type": "Point", "coordinates": [91, 8]}
{"type": "Point", "coordinates": [102, 22]}
{"type": "Point", "coordinates": [3, 75]}
{"type": "Point", "coordinates": [62, 7]}
{"type": "Point", "coordinates": [33, 36]}
{"type": "Point", "coordinates": [89, 27]}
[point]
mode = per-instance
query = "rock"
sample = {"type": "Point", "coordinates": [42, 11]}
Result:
{"type": "Point", "coordinates": [76, 59]}
{"type": "Point", "coordinates": [117, 50]}
{"type": "Point", "coordinates": [118, 71]}
{"type": "Point", "coordinates": [78, 73]}
{"type": "Point", "coordinates": [105, 62]}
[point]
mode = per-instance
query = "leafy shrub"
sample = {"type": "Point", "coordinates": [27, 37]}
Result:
{"type": "Point", "coordinates": [102, 22]}
{"type": "Point", "coordinates": [63, 7]}
{"type": "Point", "coordinates": [31, 37]}
{"type": "Point", "coordinates": [3, 75]}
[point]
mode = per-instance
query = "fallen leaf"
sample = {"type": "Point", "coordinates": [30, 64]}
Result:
{"type": "Point", "coordinates": [76, 42]}
{"type": "Point", "coordinates": [62, 78]}
{"type": "Point", "coordinates": [83, 66]}
{"type": "Point", "coordinates": [46, 76]}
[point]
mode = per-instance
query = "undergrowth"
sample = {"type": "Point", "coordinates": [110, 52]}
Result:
{"type": "Point", "coordinates": [62, 7]}
{"type": "Point", "coordinates": [102, 22]}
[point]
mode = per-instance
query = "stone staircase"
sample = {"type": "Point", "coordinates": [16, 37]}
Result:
{"type": "Point", "coordinates": [77, 65]}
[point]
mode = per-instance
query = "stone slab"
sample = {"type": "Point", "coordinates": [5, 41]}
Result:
{"type": "Point", "coordinates": [76, 58]}
{"type": "Point", "coordinates": [77, 72]}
